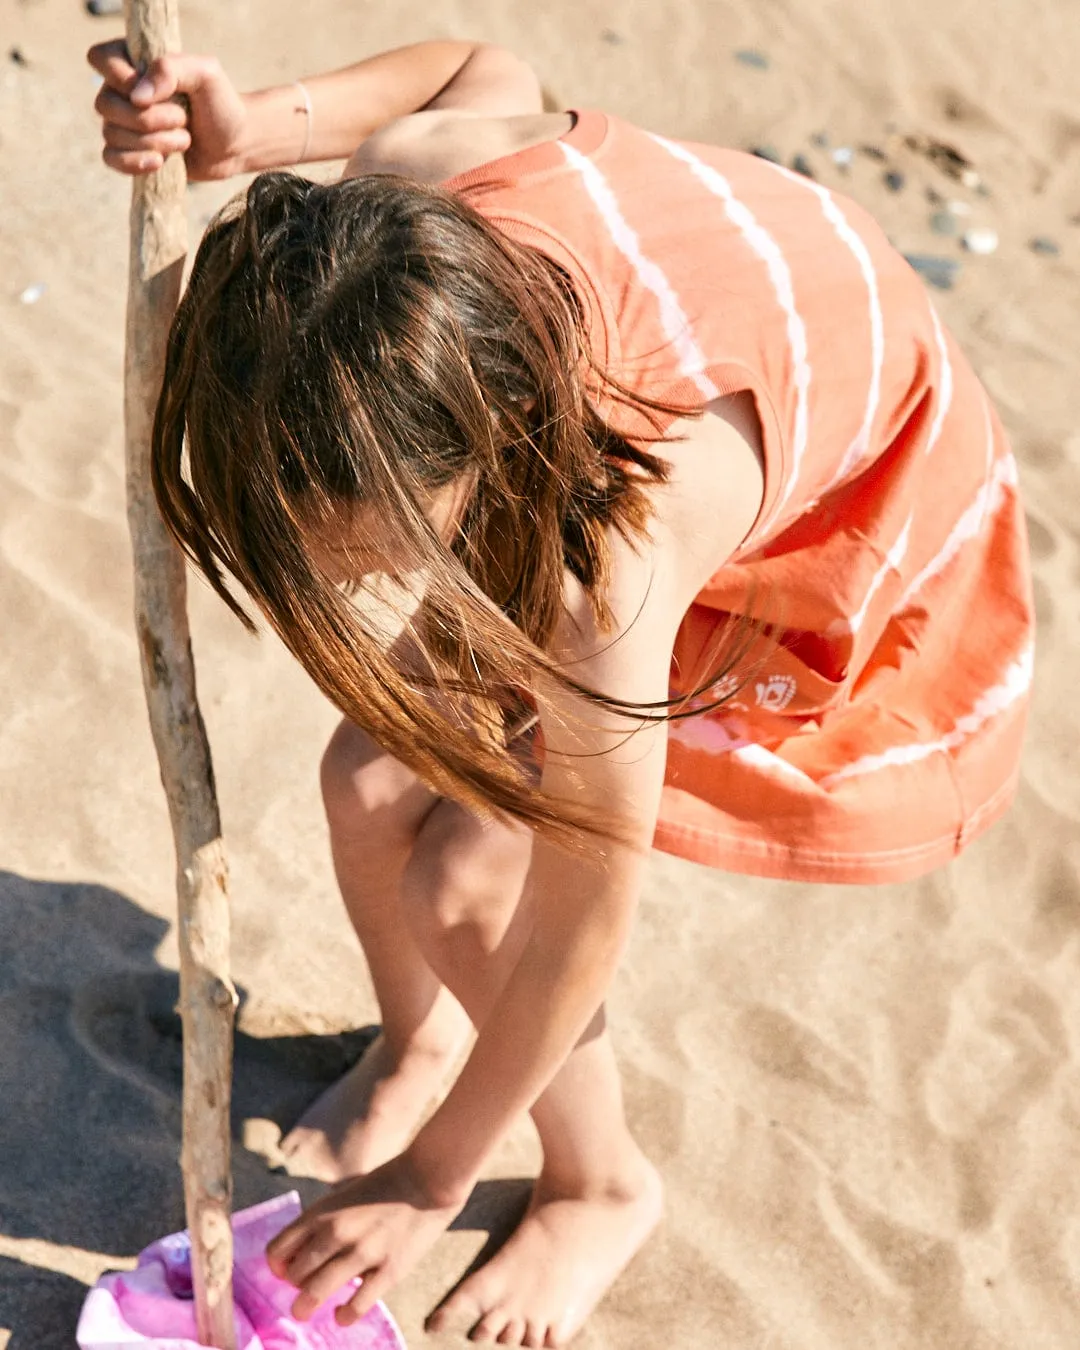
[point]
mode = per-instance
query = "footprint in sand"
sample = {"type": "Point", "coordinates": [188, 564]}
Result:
{"type": "Point", "coordinates": [780, 1045]}
{"type": "Point", "coordinates": [1003, 1040]}
{"type": "Point", "coordinates": [1057, 898]}
{"type": "Point", "coordinates": [1070, 1250]}
{"type": "Point", "coordinates": [893, 1256]}
{"type": "Point", "coordinates": [1044, 602]}
{"type": "Point", "coordinates": [1045, 455]}
{"type": "Point", "coordinates": [128, 1023]}
{"type": "Point", "coordinates": [660, 1112]}
{"type": "Point", "coordinates": [1041, 538]}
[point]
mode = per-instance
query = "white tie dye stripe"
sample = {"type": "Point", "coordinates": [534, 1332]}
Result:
{"type": "Point", "coordinates": [893, 559]}
{"type": "Point", "coordinates": [1013, 687]}
{"type": "Point", "coordinates": [772, 766]}
{"type": "Point", "coordinates": [989, 421]}
{"type": "Point", "coordinates": [676, 325]}
{"type": "Point", "coordinates": [766, 247]}
{"type": "Point", "coordinates": [860, 446]}
{"type": "Point", "coordinates": [987, 503]}
{"type": "Point", "coordinates": [945, 382]}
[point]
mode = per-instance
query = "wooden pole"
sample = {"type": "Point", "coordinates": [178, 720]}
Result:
{"type": "Point", "coordinates": [207, 996]}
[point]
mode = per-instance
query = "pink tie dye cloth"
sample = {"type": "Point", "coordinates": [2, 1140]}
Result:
{"type": "Point", "coordinates": [152, 1305]}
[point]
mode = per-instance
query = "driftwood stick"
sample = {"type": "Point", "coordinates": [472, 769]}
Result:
{"type": "Point", "coordinates": [207, 996]}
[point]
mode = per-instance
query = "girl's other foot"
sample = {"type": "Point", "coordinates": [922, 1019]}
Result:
{"type": "Point", "coordinates": [371, 1113]}
{"type": "Point", "coordinates": [538, 1289]}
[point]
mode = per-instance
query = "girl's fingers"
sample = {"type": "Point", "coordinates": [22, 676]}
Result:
{"type": "Point", "coordinates": [280, 1252]}
{"type": "Point", "coordinates": [118, 111]}
{"type": "Point", "coordinates": [327, 1280]}
{"type": "Point", "coordinates": [377, 1282]}
{"type": "Point", "coordinates": [112, 63]}
{"type": "Point", "coordinates": [306, 1262]}
{"type": "Point", "coordinates": [162, 143]}
{"type": "Point", "coordinates": [177, 73]}
{"type": "Point", "coordinates": [133, 162]}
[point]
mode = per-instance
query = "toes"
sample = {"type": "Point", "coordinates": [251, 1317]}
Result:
{"type": "Point", "coordinates": [490, 1328]}
{"type": "Point", "coordinates": [458, 1310]}
{"type": "Point", "coordinates": [535, 1337]}
{"type": "Point", "coordinates": [513, 1333]}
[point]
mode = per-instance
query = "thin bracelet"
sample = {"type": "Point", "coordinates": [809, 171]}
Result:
{"type": "Point", "coordinates": [309, 122]}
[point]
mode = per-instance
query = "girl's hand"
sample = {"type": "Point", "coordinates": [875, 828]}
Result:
{"type": "Point", "coordinates": [143, 121]}
{"type": "Point", "coordinates": [376, 1226]}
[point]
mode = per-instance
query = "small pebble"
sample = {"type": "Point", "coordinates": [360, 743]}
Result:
{"type": "Point", "coordinates": [958, 208]}
{"type": "Point", "coordinates": [820, 139]}
{"type": "Point", "coordinates": [768, 152]}
{"type": "Point", "coordinates": [895, 180]}
{"type": "Point", "coordinates": [944, 222]}
{"type": "Point", "coordinates": [842, 156]}
{"type": "Point", "coordinates": [802, 165]}
{"type": "Point", "coordinates": [609, 35]}
{"type": "Point", "coordinates": [16, 57]}
{"type": "Point", "coordinates": [33, 293]}
{"type": "Point", "coordinates": [874, 152]}
{"type": "Point", "coordinates": [1042, 244]}
{"type": "Point", "coordinates": [940, 273]}
{"type": "Point", "coordinates": [934, 197]}
{"type": "Point", "coordinates": [750, 57]}
{"type": "Point", "coordinates": [970, 178]}
{"type": "Point", "coordinates": [100, 8]}
{"type": "Point", "coordinates": [982, 240]}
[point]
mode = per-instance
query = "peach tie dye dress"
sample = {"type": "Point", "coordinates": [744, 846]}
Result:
{"type": "Point", "coordinates": [882, 731]}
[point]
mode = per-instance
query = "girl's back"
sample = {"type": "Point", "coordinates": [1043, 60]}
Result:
{"type": "Point", "coordinates": [881, 733]}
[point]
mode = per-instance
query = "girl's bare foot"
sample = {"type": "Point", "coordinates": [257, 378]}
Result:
{"type": "Point", "coordinates": [538, 1289]}
{"type": "Point", "coordinates": [371, 1113]}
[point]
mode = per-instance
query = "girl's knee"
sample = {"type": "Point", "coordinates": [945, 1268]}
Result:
{"type": "Point", "coordinates": [358, 779]}
{"type": "Point", "coordinates": [464, 873]}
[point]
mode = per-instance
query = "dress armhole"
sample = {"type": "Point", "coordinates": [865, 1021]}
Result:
{"type": "Point", "coordinates": [732, 377]}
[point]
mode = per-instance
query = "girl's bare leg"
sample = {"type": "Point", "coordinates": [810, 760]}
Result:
{"type": "Point", "coordinates": [375, 807]}
{"type": "Point", "coordinates": [435, 896]}
{"type": "Point", "coordinates": [597, 1197]}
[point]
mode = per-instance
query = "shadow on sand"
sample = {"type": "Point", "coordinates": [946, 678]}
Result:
{"type": "Point", "coordinates": [90, 1074]}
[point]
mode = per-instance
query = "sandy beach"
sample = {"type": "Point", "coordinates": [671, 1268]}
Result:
{"type": "Point", "coordinates": [865, 1102]}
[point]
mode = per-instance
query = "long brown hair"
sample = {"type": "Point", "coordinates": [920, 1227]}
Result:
{"type": "Point", "coordinates": [361, 344]}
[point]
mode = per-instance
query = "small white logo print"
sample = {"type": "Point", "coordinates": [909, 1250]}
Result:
{"type": "Point", "coordinates": [726, 687]}
{"type": "Point", "coordinates": [775, 693]}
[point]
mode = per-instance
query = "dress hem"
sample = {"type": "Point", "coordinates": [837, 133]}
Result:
{"type": "Point", "coordinates": [782, 862]}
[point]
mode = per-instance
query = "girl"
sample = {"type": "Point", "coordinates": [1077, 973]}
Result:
{"type": "Point", "coordinates": [534, 435]}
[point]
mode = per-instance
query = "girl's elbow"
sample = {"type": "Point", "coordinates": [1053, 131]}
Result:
{"type": "Point", "coordinates": [508, 78]}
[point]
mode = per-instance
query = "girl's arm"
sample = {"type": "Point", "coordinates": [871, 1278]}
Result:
{"type": "Point", "coordinates": [582, 912]}
{"type": "Point", "coordinates": [349, 104]}
{"type": "Point", "coordinates": [581, 906]}
{"type": "Point", "coordinates": [222, 132]}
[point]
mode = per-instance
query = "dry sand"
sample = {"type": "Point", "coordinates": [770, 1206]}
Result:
{"type": "Point", "coordinates": [865, 1102]}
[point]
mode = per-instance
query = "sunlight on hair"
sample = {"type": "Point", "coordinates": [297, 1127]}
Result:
{"type": "Point", "coordinates": [379, 416]}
